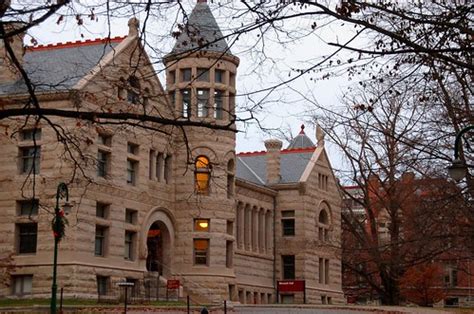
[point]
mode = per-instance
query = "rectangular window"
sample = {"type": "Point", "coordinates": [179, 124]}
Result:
{"type": "Point", "coordinates": [132, 167]}
{"type": "Point", "coordinates": [159, 166]}
{"type": "Point", "coordinates": [219, 76]}
{"type": "Point", "coordinates": [185, 75]}
{"type": "Point", "coordinates": [172, 77]}
{"type": "Point", "coordinates": [202, 75]}
{"type": "Point", "coordinates": [31, 135]}
{"type": "Point", "coordinates": [230, 227]}
{"type": "Point", "coordinates": [321, 270]}
{"type": "Point", "coordinates": [103, 163]}
{"type": "Point", "coordinates": [27, 238]}
{"type": "Point", "coordinates": [151, 163]}
{"type": "Point", "coordinates": [203, 102]}
{"type": "Point", "coordinates": [201, 251]}
{"type": "Point", "coordinates": [30, 159]}
{"type": "Point", "coordinates": [288, 222]}
{"type": "Point", "coordinates": [27, 207]}
{"type": "Point", "coordinates": [201, 225]}
{"type": "Point", "coordinates": [129, 247]}
{"type": "Point", "coordinates": [102, 210]}
{"type": "Point", "coordinates": [102, 285]}
{"type": "Point", "coordinates": [288, 265]}
{"type": "Point", "coordinates": [231, 106]}
{"type": "Point", "coordinates": [22, 284]}
{"type": "Point", "coordinates": [186, 101]}
{"type": "Point", "coordinates": [218, 104]}
{"type": "Point", "coordinates": [132, 148]}
{"type": "Point", "coordinates": [100, 238]}
{"type": "Point", "coordinates": [326, 271]}
{"type": "Point", "coordinates": [104, 139]}
{"type": "Point", "coordinates": [131, 216]}
{"type": "Point", "coordinates": [168, 168]}
{"type": "Point", "coordinates": [229, 254]}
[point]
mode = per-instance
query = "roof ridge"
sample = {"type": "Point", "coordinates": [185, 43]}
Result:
{"type": "Point", "coordinates": [77, 43]}
{"type": "Point", "coordinates": [257, 152]}
{"type": "Point", "coordinates": [284, 151]}
{"type": "Point", "coordinates": [298, 150]}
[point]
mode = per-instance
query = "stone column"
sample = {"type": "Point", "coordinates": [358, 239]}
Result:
{"type": "Point", "coordinates": [261, 230]}
{"type": "Point", "coordinates": [254, 229]}
{"type": "Point", "coordinates": [247, 227]}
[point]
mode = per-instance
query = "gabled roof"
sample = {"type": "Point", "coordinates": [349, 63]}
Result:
{"type": "Point", "coordinates": [60, 66]}
{"type": "Point", "coordinates": [253, 166]}
{"type": "Point", "coordinates": [201, 30]}
{"type": "Point", "coordinates": [301, 141]}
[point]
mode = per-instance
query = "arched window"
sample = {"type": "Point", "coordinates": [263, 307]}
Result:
{"type": "Point", "coordinates": [323, 225]}
{"type": "Point", "coordinates": [202, 174]}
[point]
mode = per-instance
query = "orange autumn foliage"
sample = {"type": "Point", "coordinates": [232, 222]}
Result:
{"type": "Point", "coordinates": [423, 284]}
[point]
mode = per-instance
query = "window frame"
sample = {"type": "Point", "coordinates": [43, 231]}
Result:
{"type": "Point", "coordinates": [198, 228]}
{"type": "Point", "coordinates": [288, 230]}
{"type": "Point", "coordinates": [22, 278]}
{"type": "Point", "coordinates": [131, 216]}
{"type": "Point", "coordinates": [202, 167]}
{"type": "Point", "coordinates": [203, 74]}
{"type": "Point", "coordinates": [28, 236]}
{"type": "Point", "coordinates": [103, 163]}
{"type": "Point", "coordinates": [218, 104]}
{"type": "Point", "coordinates": [204, 254]}
{"type": "Point", "coordinates": [132, 171]}
{"type": "Point", "coordinates": [29, 207]}
{"type": "Point", "coordinates": [203, 100]}
{"type": "Point", "coordinates": [30, 159]}
{"type": "Point", "coordinates": [129, 245]}
{"type": "Point", "coordinates": [288, 267]}
{"type": "Point", "coordinates": [101, 239]}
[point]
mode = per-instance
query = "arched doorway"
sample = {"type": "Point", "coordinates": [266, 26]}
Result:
{"type": "Point", "coordinates": [154, 243]}
{"type": "Point", "coordinates": [158, 246]}
{"type": "Point", "coordinates": [157, 242]}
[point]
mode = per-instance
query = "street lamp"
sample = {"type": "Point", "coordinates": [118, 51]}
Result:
{"type": "Point", "coordinates": [58, 226]}
{"type": "Point", "coordinates": [458, 168]}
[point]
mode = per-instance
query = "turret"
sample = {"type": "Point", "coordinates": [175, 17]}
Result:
{"type": "Point", "coordinates": [201, 70]}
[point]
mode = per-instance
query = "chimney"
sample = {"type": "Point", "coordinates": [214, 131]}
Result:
{"type": "Point", "coordinates": [8, 71]}
{"type": "Point", "coordinates": [273, 160]}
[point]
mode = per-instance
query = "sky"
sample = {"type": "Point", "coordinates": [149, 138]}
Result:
{"type": "Point", "coordinates": [284, 110]}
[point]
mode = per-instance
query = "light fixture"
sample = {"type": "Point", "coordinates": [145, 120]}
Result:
{"type": "Point", "coordinates": [457, 170]}
{"type": "Point", "coordinates": [203, 224]}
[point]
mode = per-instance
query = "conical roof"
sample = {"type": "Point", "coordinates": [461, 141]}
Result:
{"type": "Point", "coordinates": [201, 32]}
{"type": "Point", "coordinates": [301, 140]}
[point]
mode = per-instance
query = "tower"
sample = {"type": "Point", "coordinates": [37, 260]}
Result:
{"type": "Point", "coordinates": [200, 83]}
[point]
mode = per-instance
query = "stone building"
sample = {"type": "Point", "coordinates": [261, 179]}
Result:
{"type": "Point", "coordinates": [164, 198]}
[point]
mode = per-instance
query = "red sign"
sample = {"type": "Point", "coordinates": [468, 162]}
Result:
{"type": "Point", "coordinates": [172, 284]}
{"type": "Point", "coordinates": [291, 285]}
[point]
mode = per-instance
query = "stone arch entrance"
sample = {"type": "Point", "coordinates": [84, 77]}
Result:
{"type": "Point", "coordinates": [158, 242]}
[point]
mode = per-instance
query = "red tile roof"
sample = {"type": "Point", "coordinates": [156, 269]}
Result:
{"type": "Point", "coordinates": [71, 44]}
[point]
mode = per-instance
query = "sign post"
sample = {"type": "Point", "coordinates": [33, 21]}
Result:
{"type": "Point", "coordinates": [172, 284]}
{"type": "Point", "coordinates": [125, 284]}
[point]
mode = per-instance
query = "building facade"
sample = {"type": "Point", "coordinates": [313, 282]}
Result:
{"type": "Point", "coordinates": [432, 241]}
{"type": "Point", "coordinates": [165, 199]}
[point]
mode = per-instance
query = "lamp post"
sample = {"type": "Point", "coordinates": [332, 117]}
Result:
{"type": "Point", "coordinates": [58, 225]}
{"type": "Point", "coordinates": [458, 168]}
